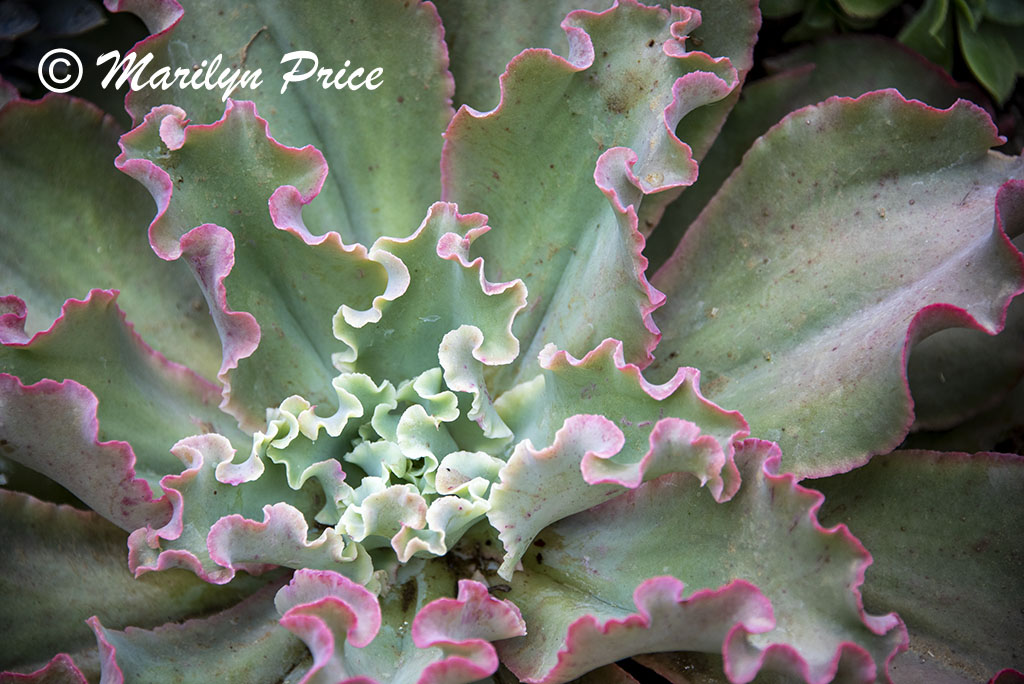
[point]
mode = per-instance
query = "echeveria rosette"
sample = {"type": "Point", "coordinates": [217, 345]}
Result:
{"type": "Point", "coordinates": [464, 404]}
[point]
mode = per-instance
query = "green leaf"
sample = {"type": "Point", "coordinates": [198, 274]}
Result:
{"type": "Point", "coordinates": [399, 338]}
{"type": "Point", "coordinates": [797, 292]}
{"type": "Point", "coordinates": [1007, 12]}
{"type": "Point", "coordinates": [948, 563]}
{"type": "Point", "coordinates": [930, 32]}
{"type": "Point", "coordinates": [140, 397]}
{"type": "Point", "coordinates": [382, 145]}
{"type": "Point", "coordinates": [272, 286]}
{"type": "Point", "coordinates": [990, 57]}
{"type": "Point", "coordinates": [244, 643]}
{"type": "Point", "coordinates": [70, 565]}
{"type": "Point", "coordinates": [484, 35]}
{"type": "Point", "coordinates": [765, 584]}
{"type": "Point", "coordinates": [528, 165]}
{"type": "Point", "coordinates": [66, 235]}
{"type": "Point", "coordinates": [848, 65]}
{"type": "Point", "coordinates": [869, 9]}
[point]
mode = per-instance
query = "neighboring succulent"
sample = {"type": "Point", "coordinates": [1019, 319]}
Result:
{"type": "Point", "coordinates": [990, 33]}
{"type": "Point", "coordinates": [475, 448]}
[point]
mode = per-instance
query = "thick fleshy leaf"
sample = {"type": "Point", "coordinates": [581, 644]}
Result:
{"type": "Point", "coordinates": [62, 210]}
{"type": "Point", "coordinates": [900, 237]}
{"type": "Point", "coordinates": [272, 287]}
{"type": "Point", "coordinates": [214, 529]}
{"type": "Point", "coordinates": [399, 337]}
{"type": "Point", "coordinates": [603, 428]}
{"type": "Point", "coordinates": [948, 563]}
{"type": "Point", "coordinates": [784, 589]}
{"type": "Point", "coordinates": [529, 162]}
{"type": "Point", "coordinates": [849, 66]}
{"type": "Point", "coordinates": [71, 435]}
{"type": "Point", "coordinates": [446, 643]}
{"type": "Point", "coordinates": [484, 35]}
{"type": "Point", "coordinates": [382, 144]}
{"type": "Point", "coordinates": [244, 643]}
{"type": "Point", "coordinates": [62, 565]}
{"type": "Point", "coordinates": [958, 373]}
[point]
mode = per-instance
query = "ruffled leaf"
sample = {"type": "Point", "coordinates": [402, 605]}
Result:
{"type": "Point", "coordinates": [790, 585]}
{"type": "Point", "coordinates": [382, 144]}
{"type": "Point", "coordinates": [605, 429]}
{"type": "Point", "coordinates": [64, 215]}
{"type": "Point", "coordinates": [567, 113]}
{"type": "Point", "coordinates": [244, 643]}
{"type": "Point", "coordinates": [399, 337]}
{"type": "Point", "coordinates": [66, 432]}
{"type": "Point", "coordinates": [272, 287]}
{"type": "Point", "coordinates": [822, 368]}
{"type": "Point", "coordinates": [212, 530]}
{"type": "Point", "coordinates": [848, 65]}
{"type": "Point", "coordinates": [70, 565]}
{"type": "Point", "coordinates": [948, 563]}
{"type": "Point", "coordinates": [448, 641]}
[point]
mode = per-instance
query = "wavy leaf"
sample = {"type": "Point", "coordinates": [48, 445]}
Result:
{"type": "Point", "coordinates": [71, 565]}
{"type": "Point", "coordinates": [371, 156]}
{"type": "Point", "coordinates": [64, 431]}
{"type": "Point", "coordinates": [601, 113]}
{"type": "Point", "coordinates": [948, 563]}
{"type": "Point", "coordinates": [244, 642]}
{"type": "Point", "coordinates": [447, 642]}
{"type": "Point", "coordinates": [63, 216]}
{"type": "Point", "coordinates": [822, 368]}
{"type": "Point", "coordinates": [264, 275]}
{"type": "Point", "coordinates": [848, 65]}
{"type": "Point", "coordinates": [781, 594]}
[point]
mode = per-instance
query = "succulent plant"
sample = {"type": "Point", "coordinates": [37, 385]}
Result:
{"type": "Point", "coordinates": [429, 418]}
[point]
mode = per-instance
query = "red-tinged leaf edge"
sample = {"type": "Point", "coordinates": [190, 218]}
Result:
{"type": "Point", "coordinates": [1007, 676]}
{"type": "Point", "coordinates": [784, 658]}
{"type": "Point", "coordinates": [315, 604]}
{"type": "Point", "coordinates": [60, 670]}
{"type": "Point", "coordinates": [209, 248]}
{"type": "Point", "coordinates": [589, 642]}
{"type": "Point", "coordinates": [464, 628]}
{"type": "Point", "coordinates": [615, 169]}
{"type": "Point", "coordinates": [136, 506]}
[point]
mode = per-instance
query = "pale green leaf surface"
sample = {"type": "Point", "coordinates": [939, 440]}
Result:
{"type": "Point", "coordinates": [383, 145]}
{"type": "Point", "coordinates": [414, 316]}
{"type": "Point", "coordinates": [767, 536]}
{"type": "Point", "coordinates": [796, 290]}
{"type": "Point", "coordinates": [142, 399]}
{"type": "Point", "coordinates": [959, 373]}
{"type": "Point", "coordinates": [71, 565]}
{"type": "Point", "coordinates": [202, 497]}
{"type": "Point", "coordinates": [484, 35]}
{"type": "Point", "coordinates": [529, 166]}
{"type": "Point", "coordinates": [273, 288]}
{"type": "Point", "coordinates": [244, 643]}
{"type": "Point", "coordinates": [71, 222]}
{"type": "Point", "coordinates": [846, 66]}
{"type": "Point", "coordinates": [949, 564]}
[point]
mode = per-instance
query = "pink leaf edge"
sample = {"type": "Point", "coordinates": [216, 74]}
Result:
{"type": "Point", "coordinates": [60, 670]}
{"type": "Point", "coordinates": [464, 628]}
{"type": "Point", "coordinates": [210, 248]}
{"type": "Point", "coordinates": [135, 506]}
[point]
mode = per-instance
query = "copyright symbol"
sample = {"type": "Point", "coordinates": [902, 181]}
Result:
{"type": "Point", "coordinates": [60, 70]}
